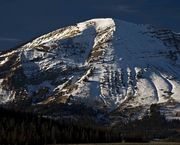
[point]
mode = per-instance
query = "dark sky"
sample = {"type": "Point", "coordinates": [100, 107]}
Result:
{"type": "Point", "coordinates": [20, 20]}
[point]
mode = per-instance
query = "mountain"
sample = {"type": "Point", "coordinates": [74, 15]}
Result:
{"type": "Point", "coordinates": [106, 68]}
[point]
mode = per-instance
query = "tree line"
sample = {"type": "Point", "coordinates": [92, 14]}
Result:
{"type": "Point", "coordinates": [17, 128]}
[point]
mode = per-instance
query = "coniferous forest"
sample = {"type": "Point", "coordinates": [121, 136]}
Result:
{"type": "Point", "coordinates": [17, 128]}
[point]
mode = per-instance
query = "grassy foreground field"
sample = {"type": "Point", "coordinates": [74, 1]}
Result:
{"type": "Point", "coordinates": [151, 143]}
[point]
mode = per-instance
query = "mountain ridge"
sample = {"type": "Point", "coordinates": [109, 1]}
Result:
{"type": "Point", "coordinates": [104, 64]}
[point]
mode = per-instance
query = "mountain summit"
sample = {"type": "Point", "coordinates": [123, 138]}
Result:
{"type": "Point", "coordinates": [113, 66]}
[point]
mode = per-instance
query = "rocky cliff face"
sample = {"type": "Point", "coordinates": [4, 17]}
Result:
{"type": "Point", "coordinates": [109, 65]}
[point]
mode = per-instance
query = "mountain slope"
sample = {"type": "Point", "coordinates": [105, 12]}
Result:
{"type": "Point", "coordinates": [104, 64]}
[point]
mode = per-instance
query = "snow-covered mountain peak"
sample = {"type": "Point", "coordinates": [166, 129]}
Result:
{"type": "Point", "coordinates": [98, 24]}
{"type": "Point", "coordinates": [104, 64]}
